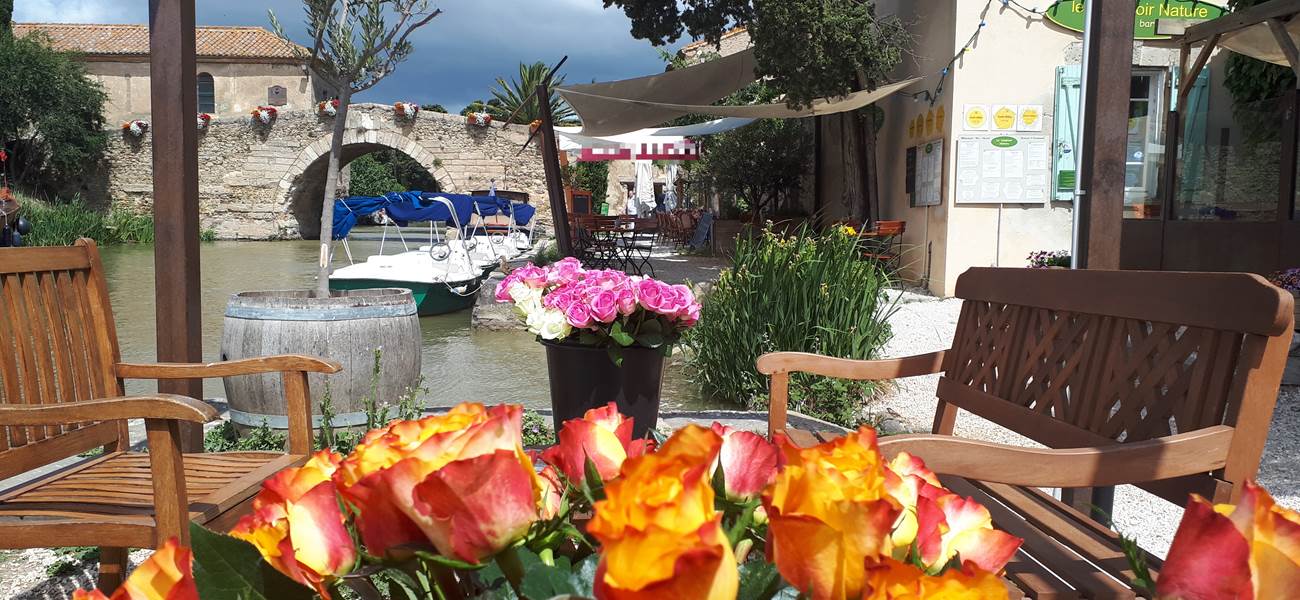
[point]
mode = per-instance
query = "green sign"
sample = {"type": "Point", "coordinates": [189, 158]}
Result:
{"type": "Point", "coordinates": [1004, 141]}
{"type": "Point", "coordinates": [1069, 14]}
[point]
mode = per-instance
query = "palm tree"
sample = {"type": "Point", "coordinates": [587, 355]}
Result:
{"type": "Point", "coordinates": [510, 96]}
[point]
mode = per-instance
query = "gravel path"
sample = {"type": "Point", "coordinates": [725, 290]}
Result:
{"type": "Point", "coordinates": [925, 324]}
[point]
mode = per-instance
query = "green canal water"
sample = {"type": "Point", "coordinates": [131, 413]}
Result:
{"type": "Point", "coordinates": [459, 362]}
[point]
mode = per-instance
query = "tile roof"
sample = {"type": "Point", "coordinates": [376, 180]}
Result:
{"type": "Point", "coordinates": [693, 46]}
{"type": "Point", "coordinates": [133, 40]}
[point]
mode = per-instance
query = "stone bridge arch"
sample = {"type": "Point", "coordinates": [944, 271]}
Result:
{"type": "Point", "coordinates": [267, 182]}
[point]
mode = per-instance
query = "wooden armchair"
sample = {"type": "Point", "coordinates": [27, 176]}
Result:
{"type": "Point", "coordinates": [61, 395]}
{"type": "Point", "coordinates": [1162, 380]}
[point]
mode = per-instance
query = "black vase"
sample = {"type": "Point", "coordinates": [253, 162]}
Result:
{"type": "Point", "coordinates": [583, 378]}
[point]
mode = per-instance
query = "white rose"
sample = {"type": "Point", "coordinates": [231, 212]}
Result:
{"type": "Point", "coordinates": [523, 293]}
{"type": "Point", "coordinates": [551, 325]}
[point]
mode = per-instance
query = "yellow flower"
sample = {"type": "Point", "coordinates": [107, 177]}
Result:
{"type": "Point", "coordinates": [660, 535]}
{"type": "Point", "coordinates": [166, 575]}
{"type": "Point", "coordinates": [829, 515]}
{"type": "Point", "coordinates": [847, 230]}
{"type": "Point", "coordinates": [893, 580]}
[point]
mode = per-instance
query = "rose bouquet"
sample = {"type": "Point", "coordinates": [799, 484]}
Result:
{"type": "Point", "coordinates": [264, 114]}
{"type": "Point", "coordinates": [406, 110]}
{"type": "Point", "coordinates": [602, 308]}
{"type": "Point", "coordinates": [327, 108]}
{"type": "Point", "coordinates": [451, 506]}
{"type": "Point", "coordinates": [479, 119]}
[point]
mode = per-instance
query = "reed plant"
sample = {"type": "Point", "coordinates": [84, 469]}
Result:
{"type": "Point", "coordinates": [60, 223]}
{"type": "Point", "coordinates": [802, 292]}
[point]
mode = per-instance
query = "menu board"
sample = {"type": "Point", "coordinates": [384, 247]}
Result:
{"type": "Point", "coordinates": [1014, 168]}
{"type": "Point", "coordinates": [925, 173]}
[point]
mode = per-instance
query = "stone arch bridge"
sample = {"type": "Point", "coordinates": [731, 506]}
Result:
{"type": "Point", "coordinates": [267, 182]}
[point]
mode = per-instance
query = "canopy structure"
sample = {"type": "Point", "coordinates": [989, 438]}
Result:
{"type": "Point", "coordinates": [416, 206]}
{"type": "Point", "coordinates": [619, 107]}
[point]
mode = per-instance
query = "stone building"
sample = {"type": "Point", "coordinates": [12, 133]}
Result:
{"type": "Point", "coordinates": [239, 68]}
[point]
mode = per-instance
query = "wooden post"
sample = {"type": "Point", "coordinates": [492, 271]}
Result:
{"type": "Point", "coordinates": [1104, 139]}
{"type": "Point", "coordinates": [176, 196]}
{"type": "Point", "coordinates": [551, 161]}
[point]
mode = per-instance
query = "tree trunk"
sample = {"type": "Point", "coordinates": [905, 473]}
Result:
{"type": "Point", "coordinates": [331, 187]}
{"type": "Point", "coordinates": [854, 197]}
{"type": "Point", "coordinates": [870, 188]}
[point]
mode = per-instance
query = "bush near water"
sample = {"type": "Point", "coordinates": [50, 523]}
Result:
{"type": "Point", "coordinates": [62, 222]}
{"type": "Point", "coordinates": [805, 292]}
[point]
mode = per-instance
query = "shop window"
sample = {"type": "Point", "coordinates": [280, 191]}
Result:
{"type": "Point", "coordinates": [1230, 162]}
{"type": "Point", "coordinates": [1145, 147]}
{"type": "Point", "coordinates": [207, 93]}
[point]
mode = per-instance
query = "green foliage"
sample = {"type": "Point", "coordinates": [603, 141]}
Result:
{"type": "Point", "coordinates": [808, 48]}
{"type": "Point", "coordinates": [6, 16]}
{"type": "Point", "coordinates": [590, 176]}
{"type": "Point", "coordinates": [409, 407]}
{"type": "Point", "coordinates": [60, 223]}
{"type": "Point", "coordinates": [228, 568]}
{"type": "Point", "coordinates": [438, 108]}
{"type": "Point", "coordinates": [69, 560]}
{"type": "Point", "coordinates": [760, 166]}
{"type": "Point", "coordinates": [225, 438]}
{"type": "Point", "coordinates": [537, 430]}
{"type": "Point", "coordinates": [801, 293]}
{"type": "Point", "coordinates": [386, 171]}
{"type": "Point", "coordinates": [52, 120]}
{"type": "Point", "coordinates": [517, 95]}
{"type": "Point", "coordinates": [479, 106]}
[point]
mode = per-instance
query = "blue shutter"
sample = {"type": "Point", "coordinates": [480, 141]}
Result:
{"type": "Point", "coordinates": [1192, 152]}
{"type": "Point", "coordinates": [1065, 131]}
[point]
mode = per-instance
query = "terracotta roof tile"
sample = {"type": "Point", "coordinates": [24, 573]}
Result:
{"type": "Point", "coordinates": [133, 40]}
{"type": "Point", "coordinates": [702, 43]}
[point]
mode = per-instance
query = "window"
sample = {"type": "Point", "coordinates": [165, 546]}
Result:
{"type": "Point", "coordinates": [1145, 144]}
{"type": "Point", "coordinates": [207, 93]}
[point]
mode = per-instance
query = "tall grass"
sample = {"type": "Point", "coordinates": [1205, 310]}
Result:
{"type": "Point", "coordinates": [803, 292]}
{"type": "Point", "coordinates": [61, 222]}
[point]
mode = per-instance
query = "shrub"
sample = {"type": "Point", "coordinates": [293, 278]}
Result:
{"type": "Point", "coordinates": [61, 222]}
{"type": "Point", "coordinates": [1043, 259]}
{"type": "Point", "coordinates": [803, 293]}
{"type": "Point", "coordinates": [1287, 279]}
{"type": "Point", "coordinates": [537, 430]}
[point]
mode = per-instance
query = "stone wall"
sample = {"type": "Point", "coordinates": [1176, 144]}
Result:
{"type": "Point", "coordinates": [267, 182]}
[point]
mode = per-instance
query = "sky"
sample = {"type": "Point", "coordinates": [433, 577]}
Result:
{"type": "Point", "coordinates": [458, 55]}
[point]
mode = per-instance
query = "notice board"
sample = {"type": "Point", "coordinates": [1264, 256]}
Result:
{"type": "Point", "coordinates": [1012, 168]}
{"type": "Point", "coordinates": [925, 174]}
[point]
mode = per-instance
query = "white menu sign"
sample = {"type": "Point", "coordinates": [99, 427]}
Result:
{"type": "Point", "coordinates": [1014, 168]}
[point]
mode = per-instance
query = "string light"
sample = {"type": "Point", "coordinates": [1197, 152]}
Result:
{"type": "Point", "coordinates": [932, 96]}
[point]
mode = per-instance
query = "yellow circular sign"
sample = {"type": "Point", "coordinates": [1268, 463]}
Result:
{"type": "Point", "coordinates": [1005, 118]}
{"type": "Point", "coordinates": [975, 117]}
{"type": "Point", "coordinates": [1029, 116]}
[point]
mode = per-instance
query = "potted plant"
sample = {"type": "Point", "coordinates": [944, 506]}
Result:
{"type": "Point", "coordinates": [1289, 280]}
{"type": "Point", "coordinates": [1049, 259]}
{"type": "Point", "coordinates": [606, 334]}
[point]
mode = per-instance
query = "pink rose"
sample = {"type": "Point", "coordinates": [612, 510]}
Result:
{"type": "Point", "coordinates": [578, 315]}
{"type": "Point", "coordinates": [626, 300]}
{"type": "Point", "coordinates": [503, 288]}
{"type": "Point", "coordinates": [531, 274]}
{"type": "Point", "coordinates": [566, 270]}
{"type": "Point", "coordinates": [650, 294]}
{"type": "Point", "coordinates": [691, 316]}
{"type": "Point", "coordinates": [604, 306]}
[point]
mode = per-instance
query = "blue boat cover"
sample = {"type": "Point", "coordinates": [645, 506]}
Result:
{"type": "Point", "coordinates": [416, 206]}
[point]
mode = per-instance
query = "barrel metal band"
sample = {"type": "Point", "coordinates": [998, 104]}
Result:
{"type": "Point", "coordinates": [351, 313]}
{"type": "Point", "coordinates": [240, 417]}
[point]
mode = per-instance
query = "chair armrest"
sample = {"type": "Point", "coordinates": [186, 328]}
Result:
{"type": "Point", "coordinates": [779, 365]}
{"type": "Point", "coordinates": [245, 366]}
{"type": "Point", "coordinates": [1194, 452]}
{"type": "Point", "coordinates": [844, 368]}
{"type": "Point", "coordinates": [160, 406]}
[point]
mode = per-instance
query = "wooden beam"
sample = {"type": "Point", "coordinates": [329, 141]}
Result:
{"type": "Point", "coordinates": [554, 184]}
{"type": "Point", "coordinates": [176, 196]}
{"type": "Point", "coordinates": [1188, 79]}
{"type": "Point", "coordinates": [1104, 139]}
{"type": "Point", "coordinates": [1287, 45]}
{"type": "Point", "coordinates": [1240, 19]}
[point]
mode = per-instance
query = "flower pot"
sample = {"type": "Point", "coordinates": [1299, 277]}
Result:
{"type": "Point", "coordinates": [584, 377]}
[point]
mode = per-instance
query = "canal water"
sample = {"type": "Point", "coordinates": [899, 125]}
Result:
{"type": "Point", "coordinates": [459, 362]}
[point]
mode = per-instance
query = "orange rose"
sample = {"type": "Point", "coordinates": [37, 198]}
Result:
{"type": "Point", "coordinates": [297, 526]}
{"type": "Point", "coordinates": [660, 535]}
{"type": "Point", "coordinates": [748, 462]}
{"type": "Point", "coordinates": [829, 514]}
{"type": "Point", "coordinates": [1248, 551]}
{"type": "Point", "coordinates": [602, 435]}
{"type": "Point", "coordinates": [168, 574]}
{"type": "Point", "coordinates": [461, 480]}
{"type": "Point", "coordinates": [893, 580]}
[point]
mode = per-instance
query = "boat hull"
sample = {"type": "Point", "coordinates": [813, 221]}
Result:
{"type": "Point", "coordinates": [434, 298]}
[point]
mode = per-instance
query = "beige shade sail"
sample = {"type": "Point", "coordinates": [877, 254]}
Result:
{"type": "Point", "coordinates": [1257, 41]}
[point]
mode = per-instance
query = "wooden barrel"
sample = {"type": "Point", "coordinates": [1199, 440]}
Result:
{"type": "Point", "coordinates": [347, 327]}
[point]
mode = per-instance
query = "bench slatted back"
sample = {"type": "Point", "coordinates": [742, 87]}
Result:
{"type": "Point", "coordinates": [58, 343]}
{"type": "Point", "coordinates": [1083, 358]}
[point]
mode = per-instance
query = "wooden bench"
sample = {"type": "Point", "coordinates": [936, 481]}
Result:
{"type": "Point", "coordinates": [61, 395]}
{"type": "Point", "coordinates": [1162, 380]}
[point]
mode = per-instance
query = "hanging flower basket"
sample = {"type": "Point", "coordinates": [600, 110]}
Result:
{"type": "Point", "coordinates": [327, 108]}
{"type": "Point", "coordinates": [406, 110]}
{"type": "Point", "coordinates": [479, 119]}
{"type": "Point", "coordinates": [265, 114]}
{"type": "Point", "coordinates": [203, 120]}
{"type": "Point", "coordinates": [534, 126]}
{"type": "Point", "coordinates": [136, 128]}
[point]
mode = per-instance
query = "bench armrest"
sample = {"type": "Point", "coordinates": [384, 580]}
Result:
{"type": "Point", "coordinates": [246, 366]}
{"type": "Point", "coordinates": [779, 365]}
{"type": "Point", "coordinates": [160, 406]}
{"type": "Point", "coordinates": [1195, 452]}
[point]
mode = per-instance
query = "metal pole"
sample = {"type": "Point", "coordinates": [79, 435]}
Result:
{"type": "Point", "coordinates": [1108, 54]}
{"type": "Point", "coordinates": [176, 196]}
{"type": "Point", "coordinates": [551, 162]}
